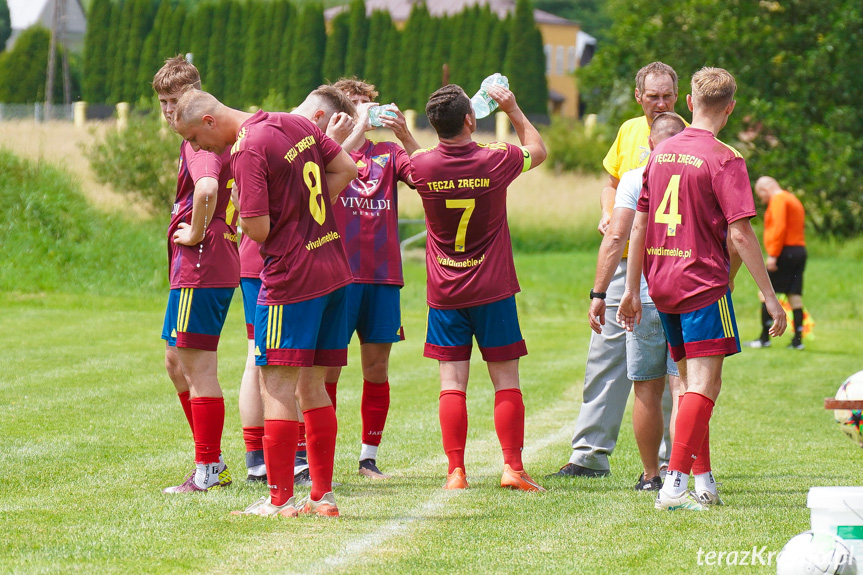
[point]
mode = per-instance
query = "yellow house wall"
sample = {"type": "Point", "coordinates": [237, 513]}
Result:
{"type": "Point", "coordinates": [561, 41]}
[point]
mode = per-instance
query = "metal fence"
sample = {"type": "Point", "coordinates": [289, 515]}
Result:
{"type": "Point", "coordinates": [57, 112]}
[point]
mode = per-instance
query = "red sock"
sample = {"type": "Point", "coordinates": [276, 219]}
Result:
{"type": "Point", "coordinates": [301, 437]}
{"type": "Point", "coordinates": [254, 438]}
{"type": "Point", "coordinates": [321, 431]}
{"type": "Point", "coordinates": [453, 426]}
{"type": "Point", "coordinates": [331, 391]}
{"type": "Point", "coordinates": [509, 425]}
{"type": "Point", "coordinates": [702, 459]}
{"type": "Point", "coordinates": [209, 413]}
{"type": "Point", "coordinates": [693, 419]}
{"type": "Point", "coordinates": [187, 409]}
{"type": "Point", "coordinates": [280, 440]}
{"type": "Point", "coordinates": [374, 407]}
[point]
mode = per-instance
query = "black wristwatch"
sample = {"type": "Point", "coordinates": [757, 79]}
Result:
{"type": "Point", "coordinates": [597, 294]}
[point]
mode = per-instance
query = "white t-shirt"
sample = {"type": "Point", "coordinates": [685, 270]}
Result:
{"type": "Point", "coordinates": [626, 197]}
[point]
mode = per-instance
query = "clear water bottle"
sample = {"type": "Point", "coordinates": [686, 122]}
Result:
{"type": "Point", "coordinates": [483, 104]}
{"type": "Point", "coordinates": [375, 113]}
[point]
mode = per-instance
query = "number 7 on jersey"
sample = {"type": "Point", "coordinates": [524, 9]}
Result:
{"type": "Point", "coordinates": [461, 233]}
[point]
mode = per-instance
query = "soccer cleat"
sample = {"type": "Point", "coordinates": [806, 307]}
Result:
{"type": "Point", "coordinates": [257, 474]}
{"type": "Point", "coordinates": [573, 470]}
{"type": "Point", "coordinates": [687, 502]}
{"type": "Point", "coordinates": [652, 484]}
{"type": "Point", "coordinates": [303, 478]}
{"type": "Point", "coordinates": [324, 507]}
{"type": "Point", "coordinates": [256, 468]}
{"type": "Point", "coordinates": [707, 498]}
{"type": "Point", "coordinates": [456, 479]}
{"type": "Point", "coordinates": [759, 343]}
{"type": "Point", "coordinates": [264, 507]}
{"type": "Point", "coordinates": [798, 345]}
{"type": "Point", "coordinates": [368, 468]}
{"type": "Point", "coordinates": [216, 475]}
{"type": "Point", "coordinates": [518, 480]}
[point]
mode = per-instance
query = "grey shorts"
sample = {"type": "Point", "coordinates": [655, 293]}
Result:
{"type": "Point", "coordinates": [647, 353]}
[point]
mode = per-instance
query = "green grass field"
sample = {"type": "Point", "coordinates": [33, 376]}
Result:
{"type": "Point", "coordinates": [92, 431]}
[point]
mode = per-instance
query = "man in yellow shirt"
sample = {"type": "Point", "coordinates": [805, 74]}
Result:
{"type": "Point", "coordinates": [785, 244]}
{"type": "Point", "coordinates": [606, 386]}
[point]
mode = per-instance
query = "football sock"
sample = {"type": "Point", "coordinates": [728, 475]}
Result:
{"type": "Point", "coordinates": [187, 409]}
{"type": "Point", "coordinates": [675, 483]}
{"type": "Point", "coordinates": [280, 442]}
{"type": "Point", "coordinates": [368, 452]}
{"type": "Point", "coordinates": [452, 411]}
{"type": "Point", "coordinates": [331, 391]}
{"type": "Point", "coordinates": [705, 482]}
{"type": "Point", "coordinates": [253, 437]}
{"type": "Point", "coordinates": [374, 407]}
{"type": "Point", "coordinates": [766, 322]}
{"type": "Point", "coordinates": [509, 425]}
{"type": "Point", "coordinates": [702, 457]}
{"type": "Point", "coordinates": [321, 431]}
{"type": "Point", "coordinates": [693, 419]}
{"type": "Point", "coordinates": [207, 474]}
{"type": "Point", "coordinates": [209, 413]}
{"type": "Point", "coordinates": [798, 324]}
{"type": "Point", "coordinates": [301, 439]}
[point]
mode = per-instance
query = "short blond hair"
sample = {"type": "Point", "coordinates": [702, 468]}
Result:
{"type": "Point", "coordinates": [353, 86]}
{"type": "Point", "coordinates": [177, 75]}
{"type": "Point", "coordinates": [713, 88]}
{"type": "Point", "coordinates": [194, 105]}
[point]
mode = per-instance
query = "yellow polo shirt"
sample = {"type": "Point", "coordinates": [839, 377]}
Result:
{"type": "Point", "coordinates": [630, 149]}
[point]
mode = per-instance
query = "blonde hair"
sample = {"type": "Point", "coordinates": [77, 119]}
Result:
{"type": "Point", "coordinates": [713, 88]}
{"type": "Point", "coordinates": [177, 75]}
{"type": "Point", "coordinates": [353, 86]}
{"type": "Point", "coordinates": [194, 105]}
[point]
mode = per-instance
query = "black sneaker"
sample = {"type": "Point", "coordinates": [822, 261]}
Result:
{"type": "Point", "coordinates": [573, 470]}
{"type": "Point", "coordinates": [303, 478]}
{"type": "Point", "coordinates": [798, 345]}
{"type": "Point", "coordinates": [653, 484]}
{"type": "Point", "coordinates": [368, 468]}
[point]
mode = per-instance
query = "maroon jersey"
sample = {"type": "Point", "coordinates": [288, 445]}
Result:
{"type": "Point", "coordinates": [468, 250]}
{"type": "Point", "coordinates": [278, 161]}
{"type": "Point", "coordinates": [251, 262]}
{"type": "Point", "coordinates": [215, 262]}
{"type": "Point", "coordinates": [694, 186]}
{"type": "Point", "coordinates": [367, 213]}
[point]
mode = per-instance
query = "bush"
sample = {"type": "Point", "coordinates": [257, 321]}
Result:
{"type": "Point", "coordinates": [141, 160]}
{"type": "Point", "coordinates": [574, 147]}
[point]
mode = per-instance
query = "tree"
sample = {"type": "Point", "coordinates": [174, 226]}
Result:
{"type": "Point", "coordinates": [337, 43]}
{"type": "Point", "coordinates": [392, 69]}
{"type": "Point", "coordinates": [376, 54]}
{"type": "Point", "coordinates": [142, 21]}
{"type": "Point", "coordinates": [524, 63]}
{"type": "Point", "coordinates": [121, 23]}
{"type": "Point", "coordinates": [285, 45]}
{"type": "Point", "coordinates": [213, 77]}
{"type": "Point", "coordinates": [256, 68]}
{"type": "Point", "coordinates": [358, 38]}
{"type": "Point", "coordinates": [496, 50]}
{"type": "Point", "coordinates": [5, 24]}
{"type": "Point", "coordinates": [311, 39]}
{"type": "Point", "coordinates": [409, 61]}
{"type": "Point", "coordinates": [96, 44]}
{"type": "Point", "coordinates": [152, 58]}
{"type": "Point", "coordinates": [175, 42]}
{"type": "Point", "coordinates": [234, 54]}
{"type": "Point", "coordinates": [22, 70]}
{"type": "Point", "coordinates": [795, 116]}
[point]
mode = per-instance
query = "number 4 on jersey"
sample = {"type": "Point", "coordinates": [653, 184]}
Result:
{"type": "Point", "coordinates": [667, 212]}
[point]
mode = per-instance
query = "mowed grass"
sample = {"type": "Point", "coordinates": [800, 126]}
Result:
{"type": "Point", "coordinates": [92, 431]}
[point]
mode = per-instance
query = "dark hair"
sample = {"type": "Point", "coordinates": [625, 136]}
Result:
{"type": "Point", "coordinates": [446, 110]}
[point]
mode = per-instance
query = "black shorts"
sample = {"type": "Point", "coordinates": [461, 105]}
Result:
{"type": "Point", "coordinates": [788, 279]}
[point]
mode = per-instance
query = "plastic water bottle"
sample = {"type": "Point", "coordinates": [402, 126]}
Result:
{"type": "Point", "coordinates": [483, 104]}
{"type": "Point", "coordinates": [375, 113]}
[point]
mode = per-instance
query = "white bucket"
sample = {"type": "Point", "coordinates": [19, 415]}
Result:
{"type": "Point", "coordinates": [839, 510]}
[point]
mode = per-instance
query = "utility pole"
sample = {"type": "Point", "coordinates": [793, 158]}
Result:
{"type": "Point", "coordinates": [58, 31]}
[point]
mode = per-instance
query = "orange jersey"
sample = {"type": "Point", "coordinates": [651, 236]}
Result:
{"type": "Point", "coordinates": [784, 222]}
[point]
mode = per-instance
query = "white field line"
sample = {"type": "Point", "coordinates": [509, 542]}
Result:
{"type": "Point", "coordinates": [361, 546]}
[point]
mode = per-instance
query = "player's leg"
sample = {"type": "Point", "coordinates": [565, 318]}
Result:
{"type": "Point", "coordinates": [378, 324]}
{"type": "Point", "coordinates": [201, 316]}
{"type": "Point", "coordinates": [251, 405]}
{"type": "Point", "coordinates": [449, 339]}
{"type": "Point", "coordinates": [172, 360]}
{"type": "Point", "coordinates": [793, 259]}
{"type": "Point", "coordinates": [766, 321]}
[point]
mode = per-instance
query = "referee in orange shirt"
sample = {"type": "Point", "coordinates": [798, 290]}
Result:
{"type": "Point", "coordinates": [785, 244]}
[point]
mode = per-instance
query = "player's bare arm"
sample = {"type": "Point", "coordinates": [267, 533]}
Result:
{"type": "Point", "coordinates": [629, 312]}
{"type": "Point", "coordinates": [610, 254]}
{"type": "Point", "coordinates": [339, 173]}
{"type": "Point", "coordinates": [257, 228]}
{"type": "Point", "coordinates": [203, 207]}
{"type": "Point", "coordinates": [527, 134]}
{"type": "Point", "coordinates": [399, 127]}
{"type": "Point", "coordinates": [746, 243]}
{"type": "Point", "coordinates": [358, 136]}
{"type": "Point", "coordinates": [606, 203]}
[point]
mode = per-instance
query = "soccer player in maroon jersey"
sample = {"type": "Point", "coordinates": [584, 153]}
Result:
{"type": "Point", "coordinates": [333, 114]}
{"type": "Point", "coordinates": [695, 205]}
{"type": "Point", "coordinates": [288, 173]}
{"type": "Point", "coordinates": [367, 217]}
{"type": "Point", "coordinates": [204, 270]}
{"type": "Point", "coordinates": [471, 274]}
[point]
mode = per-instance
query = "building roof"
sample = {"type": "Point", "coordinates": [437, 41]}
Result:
{"type": "Point", "coordinates": [400, 9]}
{"type": "Point", "coordinates": [26, 13]}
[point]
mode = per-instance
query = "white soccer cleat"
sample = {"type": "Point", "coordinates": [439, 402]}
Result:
{"type": "Point", "coordinates": [687, 502]}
